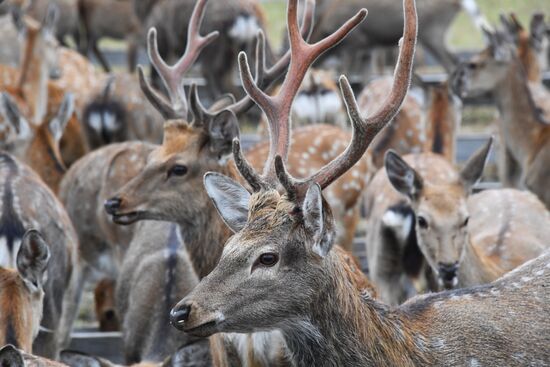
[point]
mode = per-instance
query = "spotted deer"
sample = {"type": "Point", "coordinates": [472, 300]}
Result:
{"type": "Point", "coordinates": [29, 204]}
{"type": "Point", "coordinates": [427, 122]}
{"type": "Point", "coordinates": [462, 239]}
{"type": "Point", "coordinates": [22, 292]}
{"type": "Point", "coordinates": [278, 272]}
{"type": "Point", "coordinates": [524, 131]}
{"type": "Point", "coordinates": [113, 19]}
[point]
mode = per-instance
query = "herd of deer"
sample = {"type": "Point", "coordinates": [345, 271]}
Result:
{"type": "Point", "coordinates": [205, 255]}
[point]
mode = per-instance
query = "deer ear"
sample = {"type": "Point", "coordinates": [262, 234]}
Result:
{"type": "Point", "coordinates": [58, 124]}
{"type": "Point", "coordinates": [11, 357]}
{"type": "Point", "coordinates": [11, 113]}
{"type": "Point", "coordinates": [402, 176]}
{"type": "Point", "coordinates": [17, 19]}
{"type": "Point", "coordinates": [33, 257]}
{"type": "Point", "coordinates": [223, 128]}
{"type": "Point", "coordinates": [473, 169]}
{"type": "Point", "coordinates": [50, 19]}
{"type": "Point", "coordinates": [230, 199]}
{"type": "Point", "coordinates": [314, 220]}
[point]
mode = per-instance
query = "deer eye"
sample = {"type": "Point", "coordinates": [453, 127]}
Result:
{"type": "Point", "coordinates": [177, 170]}
{"type": "Point", "coordinates": [267, 260]}
{"type": "Point", "coordinates": [422, 222]}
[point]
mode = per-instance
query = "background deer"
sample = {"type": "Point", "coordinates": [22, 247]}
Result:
{"type": "Point", "coordinates": [524, 133]}
{"type": "Point", "coordinates": [28, 203]}
{"type": "Point", "coordinates": [462, 238]}
{"type": "Point", "coordinates": [22, 292]}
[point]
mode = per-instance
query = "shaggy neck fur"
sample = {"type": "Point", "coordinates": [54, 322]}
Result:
{"type": "Point", "coordinates": [347, 328]}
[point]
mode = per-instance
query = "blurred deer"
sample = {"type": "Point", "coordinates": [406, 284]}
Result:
{"type": "Point", "coordinates": [22, 292]}
{"type": "Point", "coordinates": [13, 357]}
{"type": "Point", "coordinates": [29, 204]}
{"type": "Point", "coordinates": [67, 24]}
{"type": "Point", "coordinates": [524, 131]}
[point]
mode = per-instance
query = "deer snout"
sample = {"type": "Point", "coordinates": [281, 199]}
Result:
{"type": "Point", "coordinates": [112, 205]}
{"type": "Point", "coordinates": [448, 274]}
{"type": "Point", "coordinates": [179, 315]}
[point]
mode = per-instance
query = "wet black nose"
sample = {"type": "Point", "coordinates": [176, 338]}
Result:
{"type": "Point", "coordinates": [447, 272]}
{"type": "Point", "coordinates": [180, 314]}
{"type": "Point", "coordinates": [112, 205]}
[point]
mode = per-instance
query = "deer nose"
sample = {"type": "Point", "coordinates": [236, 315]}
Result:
{"type": "Point", "coordinates": [112, 205]}
{"type": "Point", "coordinates": [447, 273]}
{"type": "Point", "coordinates": [179, 314]}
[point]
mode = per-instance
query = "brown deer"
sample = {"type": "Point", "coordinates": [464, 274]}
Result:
{"type": "Point", "coordinates": [277, 271]}
{"type": "Point", "coordinates": [461, 238]}
{"type": "Point", "coordinates": [109, 18]}
{"type": "Point", "coordinates": [22, 292]}
{"type": "Point", "coordinates": [524, 132]}
{"type": "Point", "coordinates": [10, 356]}
{"type": "Point", "coordinates": [427, 122]}
{"type": "Point", "coordinates": [29, 204]}
{"type": "Point", "coordinates": [38, 146]}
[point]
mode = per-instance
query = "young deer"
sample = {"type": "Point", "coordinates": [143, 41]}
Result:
{"type": "Point", "coordinates": [28, 203]}
{"type": "Point", "coordinates": [38, 146]}
{"type": "Point", "coordinates": [22, 292]}
{"type": "Point", "coordinates": [461, 238]}
{"type": "Point", "coordinates": [277, 271]}
{"type": "Point", "coordinates": [524, 131]}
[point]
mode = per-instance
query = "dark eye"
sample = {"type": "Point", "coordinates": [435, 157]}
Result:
{"type": "Point", "coordinates": [466, 222]}
{"type": "Point", "coordinates": [177, 170]}
{"type": "Point", "coordinates": [422, 222]}
{"type": "Point", "coordinates": [268, 259]}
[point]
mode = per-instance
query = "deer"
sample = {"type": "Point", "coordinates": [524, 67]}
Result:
{"type": "Point", "coordinates": [109, 18]}
{"type": "Point", "coordinates": [11, 356]}
{"type": "Point", "coordinates": [29, 204]}
{"type": "Point", "coordinates": [238, 21]}
{"type": "Point", "coordinates": [523, 127]}
{"type": "Point", "coordinates": [427, 122]}
{"type": "Point", "coordinates": [461, 238]}
{"type": "Point", "coordinates": [278, 272]}
{"type": "Point", "coordinates": [38, 146]}
{"type": "Point", "coordinates": [22, 292]}
{"type": "Point", "coordinates": [67, 25]}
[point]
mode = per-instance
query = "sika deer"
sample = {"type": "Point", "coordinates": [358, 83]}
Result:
{"type": "Point", "coordinates": [22, 292]}
{"type": "Point", "coordinates": [28, 203]}
{"type": "Point", "coordinates": [277, 271]}
{"type": "Point", "coordinates": [462, 238]}
{"type": "Point", "coordinates": [524, 132]}
{"type": "Point", "coordinates": [10, 356]}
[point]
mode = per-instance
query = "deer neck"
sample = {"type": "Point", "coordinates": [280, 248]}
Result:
{"type": "Point", "coordinates": [474, 270]}
{"type": "Point", "coordinates": [348, 328]}
{"type": "Point", "coordinates": [205, 234]}
{"type": "Point", "coordinates": [518, 126]}
{"type": "Point", "coordinates": [33, 81]}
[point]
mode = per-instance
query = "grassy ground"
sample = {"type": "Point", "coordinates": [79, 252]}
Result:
{"type": "Point", "coordinates": [461, 35]}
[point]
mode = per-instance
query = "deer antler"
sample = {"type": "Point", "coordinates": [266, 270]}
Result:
{"type": "Point", "coordinates": [364, 129]}
{"type": "Point", "coordinates": [172, 75]}
{"type": "Point", "coordinates": [277, 108]}
{"type": "Point", "coordinates": [266, 77]}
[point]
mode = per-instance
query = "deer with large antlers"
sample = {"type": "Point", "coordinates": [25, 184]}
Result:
{"type": "Point", "coordinates": [523, 127]}
{"type": "Point", "coordinates": [278, 271]}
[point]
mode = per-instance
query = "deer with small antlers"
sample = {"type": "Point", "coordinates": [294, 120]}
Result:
{"type": "Point", "coordinates": [524, 131]}
{"type": "Point", "coordinates": [29, 204]}
{"type": "Point", "coordinates": [278, 271]}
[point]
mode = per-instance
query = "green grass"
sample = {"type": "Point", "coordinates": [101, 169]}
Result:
{"type": "Point", "coordinates": [462, 34]}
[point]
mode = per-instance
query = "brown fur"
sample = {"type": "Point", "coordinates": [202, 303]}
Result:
{"type": "Point", "coordinates": [104, 299]}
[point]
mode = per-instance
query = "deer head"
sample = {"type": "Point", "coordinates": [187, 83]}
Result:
{"type": "Point", "coordinates": [21, 292]}
{"type": "Point", "coordinates": [170, 185]}
{"type": "Point", "coordinates": [441, 211]}
{"type": "Point", "coordinates": [280, 255]}
{"type": "Point", "coordinates": [38, 145]}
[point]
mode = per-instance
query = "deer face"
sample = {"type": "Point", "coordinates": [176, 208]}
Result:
{"type": "Point", "coordinates": [170, 185]}
{"type": "Point", "coordinates": [268, 270]}
{"type": "Point", "coordinates": [441, 212]}
{"type": "Point", "coordinates": [21, 293]}
{"type": "Point", "coordinates": [484, 71]}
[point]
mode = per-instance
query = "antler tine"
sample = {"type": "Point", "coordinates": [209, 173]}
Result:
{"type": "Point", "coordinates": [265, 78]}
{"type": "Point", "coordinates": [365, 130]}
{"type": "Point", "coordinates": [277, 108]}
{"type": "Point", "coordinates": [172, 75]}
